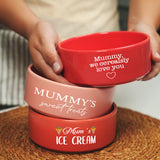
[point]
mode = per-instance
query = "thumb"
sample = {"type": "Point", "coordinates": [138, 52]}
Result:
{"type": "Point", "coordinates": [57, 63]}
{"type": "Point", "coordinates": [52, 58]}
{"type": "Point", "coordinates": [50, 54]}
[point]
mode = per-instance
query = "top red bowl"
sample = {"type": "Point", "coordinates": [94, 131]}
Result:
{"type": "Point", "coordinates": [104, 59]}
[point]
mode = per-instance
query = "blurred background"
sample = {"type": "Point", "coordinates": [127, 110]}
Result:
{"type": "Point", "coordinates": [123, 13]}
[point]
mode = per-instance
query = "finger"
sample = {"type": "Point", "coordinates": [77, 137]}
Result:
{"type": "Point", "coordinates": [45, 69]}
{"type": "Point", "coordinates": [155, 46]}
{"type": "Point", "coordinates": [155, 54]}
{"type": "Point", "coordinates": [154, 72]}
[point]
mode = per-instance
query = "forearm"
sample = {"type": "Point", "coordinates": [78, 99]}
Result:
{"type": "Point", "coordinates": [145, 11]}
{"type": "Point", "coordinates": [16, 15]}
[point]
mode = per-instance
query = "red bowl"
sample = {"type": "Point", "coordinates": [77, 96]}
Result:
{"type": "Point", "coordinates": [66, 101]}
{"type": "Point", "coordinates": [104, 59]}
{"type": "Point", "coordinates": [72, 135]}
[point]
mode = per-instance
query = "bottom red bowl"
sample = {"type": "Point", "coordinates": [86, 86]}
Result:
{"type": "Point", "coordinates": [72, 135]}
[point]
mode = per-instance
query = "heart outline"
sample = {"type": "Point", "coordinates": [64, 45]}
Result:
{"type": "Point", "coordinates": [111, 75]}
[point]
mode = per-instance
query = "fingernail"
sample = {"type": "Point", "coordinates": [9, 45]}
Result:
{"type": "Point", "coordinates": [157, 54]}
{"type": "Point", "coordinates": [140, 78]}
{"type": "Point", "coordinates": [56, 67]}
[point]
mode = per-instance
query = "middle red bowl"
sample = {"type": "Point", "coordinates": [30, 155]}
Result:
{"type": "Point", "coordinates": [66, 101]}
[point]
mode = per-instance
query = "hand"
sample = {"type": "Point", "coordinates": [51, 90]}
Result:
{"type": "Point", "coordinates": [43, 41]}
{"type": "Point", "coordinates": [155, 47]}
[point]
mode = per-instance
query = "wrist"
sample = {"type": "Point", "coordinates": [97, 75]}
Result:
{"type": "Point", "coordinates": [30, 26]}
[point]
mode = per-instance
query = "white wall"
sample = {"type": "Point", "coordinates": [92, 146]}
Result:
{"type": "Point", "coordinates": [142, 96]}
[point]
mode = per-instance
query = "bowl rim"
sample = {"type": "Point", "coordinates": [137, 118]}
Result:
{"type": "Point", "coordinates": [147, 38]}
{"type": "Point", "coordinates": [31, 73]}
{"type": "Point", "coordinates": [112, 113]}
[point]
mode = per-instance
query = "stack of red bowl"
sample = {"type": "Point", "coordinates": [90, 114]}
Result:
{"type": "Point", "coordinates": [75, 118]}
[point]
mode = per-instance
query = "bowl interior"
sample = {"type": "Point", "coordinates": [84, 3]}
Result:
{"type": "Point", "coordinates": [103, 41]}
